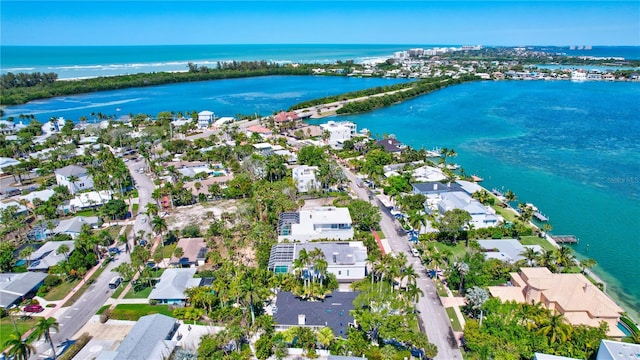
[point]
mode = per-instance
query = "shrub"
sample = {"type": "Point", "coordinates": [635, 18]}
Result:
{"type": "Point", "coordinates": [52, 280]}
{"type": "Point", "coordinates": [106, 314]}
{"type": "Point", "coordinates": [191, 231]}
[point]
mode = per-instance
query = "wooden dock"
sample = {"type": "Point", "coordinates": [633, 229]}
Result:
{"type": "Point", "coordinates": [565, 239]}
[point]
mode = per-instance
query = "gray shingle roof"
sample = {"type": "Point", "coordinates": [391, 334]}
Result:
{"type": "Point", "coordinates": [173, 283]}
{"type": "Point", "coordinates": [150, 338]}
{"type": "Point", "coordinates": [15, 285]}
{"type": "Point", "coordinates": [71, 170]}
{"type": "Point", "coordinates": [46, 256]}
{"type": "Point", "coordinates": [333, 312]}
{"type": "Point", "coordinates": [74, 225]}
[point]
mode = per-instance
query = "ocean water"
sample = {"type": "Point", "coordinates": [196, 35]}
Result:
{"type": "Point", "coordinates": [90, 61]}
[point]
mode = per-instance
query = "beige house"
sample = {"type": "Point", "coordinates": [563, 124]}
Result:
{"type": "Point", "coordinates": [572, 295]}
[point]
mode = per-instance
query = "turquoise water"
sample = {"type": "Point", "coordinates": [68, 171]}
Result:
{"type": "Point", "coordinates": [569, 148]}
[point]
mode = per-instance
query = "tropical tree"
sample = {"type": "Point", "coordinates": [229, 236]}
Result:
{"type": "Point", "coordinates": [554, 328]}
{"type": "Point", "coordinates": [64, 249]}
{"type": "Point", "coordinates": [152, 209]}
{"type": "Point", "coordinates": [453, 222]}
{"type": "Point", "coordinates": [510, 197]}
{"type": "Point", "coordinates": [475, 298]}
{"type": "Point", "coordinates": [325, 337]}
{"type": "Point", "coordinates": [43, 329]}
{"type": "Point", "coordinates": [18, 348]}
{"type": "Point", "coordinates": [587, 264]}
{"type": "Point", "coordinates": [530, 255]}
{"type": "Point", "coordinates": [564, 257]}
{"type": "Point", "coordinates": [159, 225]}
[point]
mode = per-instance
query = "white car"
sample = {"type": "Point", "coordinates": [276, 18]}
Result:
{"type": "Point", "coordinates": [415, 252]}
{"type": "Point", "coordinates": [144, 220]}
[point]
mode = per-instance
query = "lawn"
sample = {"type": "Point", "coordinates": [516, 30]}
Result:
{"type": "Point", "coordinates": [114, 230]}
{"type": "Point", "coordinates": [6, 328]}
{"type": "Point", "coordinates": [60, 291]}
{"type": "Point", "coordinates": [457, 250]}
{"type": "Point", "coordinates": [166, 251]}
{"type": "Point", "coordinates": [507, 214]}
{"type": "Point", "coordinates": [440, 288]}
{"type": "Point", "coordinates": [89, 212]}
{"type": "Point", "coordinates": [142, 294]}
{"type": "Point", "coordinates": [119, 290]}
{"type": "Point", "coordinates": [455, 323]}
{"type": "Point", "coordinates": [102, 309]}
{"type": "Point", "coordinates": [134, 209]}
{"type": "Point", "coordinates": [133, 312]}
{"type": "Point", "coordinates": [535, 240]}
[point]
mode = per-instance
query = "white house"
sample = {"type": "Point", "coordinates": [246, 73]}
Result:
{"type": "Point", "coordinates": [5, 163]}
{"type": "Point", "coordinates": [75, 178]}
{"type": "Point", "coordinates": [73, 226]}
{"type": "Point", "coordinates": [47, 255]}
{"type": "Point", "coordinates": [339, 132]}
{"type": "Point", "coordinates": [481, 216]}
{"type": "Point", "coordinates": [53, 126]}
{"type": "Point", "coordinates": [205, 118]}
{"type": "Point", "coordinates": [346, 260]}
{"type": "Point", "coordinates": [328, 222]}
{"type": "Point", "coordinates": [90, 200]}
{"type": "Point", "coordinates": [223, 120]}
{"type": "Point", "coordinates": [305, 178]}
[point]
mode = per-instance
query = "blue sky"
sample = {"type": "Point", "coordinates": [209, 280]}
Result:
{"type": "Point", "coordinates": [319, 22]}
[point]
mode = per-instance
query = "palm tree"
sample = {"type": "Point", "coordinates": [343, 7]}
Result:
{"type": "Point", "coordinates": [26, 254]}
{"type": "Point", "coordinates": [325, 337]}
{"type": "Point", "coordinates": [588, 264]}
{"type": "Point", "coordinates": [64, 249]}
{"type": "Point", "coordinates": [564, 257]}
{"type": "Point", "coordinates": [159, 225]}
{"type": "Point", "coordinates": [72, 181]}
{"type": "Point", "coordinates": [531, 255]}
{"type": "Point", "coordinates": [463, 269]}
{"type": "Point", "coordinates": [555, 328]}
{"type": "Point", "coordinates": [43, 328]}
{"type": "Point", "coordinates": [509, 197]}
{"type": "Point", "coordinates": [18, 348]}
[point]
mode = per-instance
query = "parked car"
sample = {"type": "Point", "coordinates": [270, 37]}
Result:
{"type": "Point", "coordinates": [34, 308]}
{"type": "Point", "coordinates": [415, 252]}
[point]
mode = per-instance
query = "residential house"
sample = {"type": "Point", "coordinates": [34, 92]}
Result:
{"type": "Point", "coordinates": [15, 287]}
{"type": "Point", "coordinates": [428, 174]}
{"type": "Point", "coordinates": [19, 208]}
{"type": "Point", "coordinates": [572, 295]}
{"type": "Point", "coordinates": [346, 260]}
{"type": "Point", "coordinates": [172, 285]}
{"type": "Point", "coordinates": [260, 130]}
{"type": "Point", "coordinates": [616, 350]}
{"type": "Point", "coordinates": [391, 145]}
{"type": "Point", "coordinates": [73, 226]}
{"type": "Point", "coordinates": [205, 118]}
{"type": "Point", "coordinates": [48, 255]}
{"type": "Point", "coordinates": [334, 312]}
{"type": "Point", "coordinates": [194, 252]}
{"type": "Point", "coordinates": [7, 163]}
{"type": "Point", "coordinates": [285, 116]}
{"type": "Point", "coordinates": [89, 200]}
{"type": "Point", "coordinates": [508, 250]}
{"type": "Point", "coordinates": [224, 120]}
{"type": "Point", "coordinates": [339, 132]}
{"type": "Point", "coordinates": [264, 149]}
{"type": "Point", "coordinates": [150, 338]}
{"type": "Point", "coordinates": [435, 188]}
{"type": "Point", "coordinates": [75, 178]}
{"type": "Point", "coordinates": [481, 216]}
{"type": "Point", "coordinates": [42, 195]}
{"type": "Point", "coordinates": [305, 178]}
{"type": "Point", "coordinates": [329, 222]}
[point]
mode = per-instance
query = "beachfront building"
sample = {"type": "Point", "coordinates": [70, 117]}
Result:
{"type": "Point", "coordinates": [391, 145]}
{"type": "Point", "coordinates": [481, 216]}
{"type": "Point", "coordinates": [48, 255]}
{"type": "Point", "coordinates": [328, 222]}
{"type": "Point", "coordinates": [305, 178]}
{"type": "Point", "coordinates": [205, 118]}
{"type": "Point", "coordinates": [339, 132]}
{"type": "Point", "coordinates": [572, 295]}
{"type": "Point", "coordinates": [285, 116]}
{"type": "Point", "coordinates": [334, 312]}
{"type": "Point", "coordinates": [15, 287]}
{"type": "Point", "coordinates": [172, 285]}
{"type": "Point", "coordinates": [507, 250]}
{"type": "Point", "coordinates": [75, 178]}
{"type": "Point", "coordinates": [346, 260]}
{"type": "Point", "coordinates": [428, 174]}
{"type": "Point", "coordinates": [150, 338]}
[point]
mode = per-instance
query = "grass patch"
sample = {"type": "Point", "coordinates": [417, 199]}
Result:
{"type": "Point", "coordinates": [440, 288]}
{"type": "Point", "coordinates": [458, 250]}
{"type": "Point", "coordinates": [142, 294]}
{"type": "Point", "coordinates": [114, 230]}
{"type": "Point", "coordinates": [507, 214]}
{"type": "Point", "coordinates": [102, 309]}
{"type": "Point", "coordinates": [133, 312]}
{"type": "Point", "coordinates": [166, 251]}
{"type": "Point", "coordinates": [127, 230]}
{"type": "Point", "coordinates": [119, 290]}
{"type": "Point", "coordinates": [134, 209]}
{"type": "Point", "coordinates": [89, 212]}
{"type": "Point", "coordinates": [84, 287]}
{"type": "Point", "coordinates": [455, 323]}
{"type": "Point", "coordinates": [535, 240]}
{"type": "Point", "coordinates": [60, 291]}
{"type": "Point", "coordinates": [6, 328]}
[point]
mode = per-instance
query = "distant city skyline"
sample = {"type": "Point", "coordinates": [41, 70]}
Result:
{"type": "Point", "coordinates": [509, 23]}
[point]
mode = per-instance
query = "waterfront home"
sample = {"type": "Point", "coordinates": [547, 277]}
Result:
{"type": "Point", "coordinates": [48, 255]}
{"type": "Point", "coordinates": [75, 178]}
{"type": "Point", "coordinates": [572, 295]}
{"type": "Point", "coordinates": [428, 174]}
{"type": "Point", "coordinates": [194, 252]}
{"type": "Point", "coordinates": [319, 223]}
{"type": "Point", "coordinates": [391, 145]}
{"type": "Point", "coordinates": [434, 188]}
{"type": "Point", "coordinates": [73, 226]}
{"type": "Point", "coordinates": [284, 116]}
{"type": "Point", "coordinates": [150, 338]}
{"type": "Point", "coordinates": [305, 178]}
{"type": "Point", "coordinates": [260, 130]}
{"type": "Point", "coordinates": [334, 312]}
{"type": "Point", "coordinates": [339, 132]}
{"type": "Point", "coordinates": [205, 118]}
{"type": "Point", "coordinates": [346, 260]}
{"type": "Point", "coordinates": [507, 250]}
{"type": "Point", "coordinates": [172, 285]}
{"type": "Point", "coordinates": [616, 350]}
{"type": "Point", "coordinates": [481, 216]}
{"type": "Point", "coordinates": [53, 126]}
{"type": "Point", "coordinates": [15, 287]}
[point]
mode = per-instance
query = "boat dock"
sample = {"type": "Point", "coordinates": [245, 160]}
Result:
{"type": "Point", "coordinates": [540, 217]}
{"type": "Point", "coordinates": [565, 239]}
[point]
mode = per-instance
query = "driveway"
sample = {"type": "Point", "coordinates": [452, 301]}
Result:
{"type": "Point", "coordinates": [434, 320]}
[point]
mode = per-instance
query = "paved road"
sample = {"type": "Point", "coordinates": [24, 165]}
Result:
{"type": "Point", "coordinates": [434, 318]}
{"type": "Point", "coordinates": [145, 188]}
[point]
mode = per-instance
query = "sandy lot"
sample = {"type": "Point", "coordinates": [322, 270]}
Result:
{"type": "Point", "coordinates": [201, 214]}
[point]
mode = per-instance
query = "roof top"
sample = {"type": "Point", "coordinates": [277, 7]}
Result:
{"type": "Point", "coordinates": [436, 187]}
{"type": "Point", "coordinates": [390, 144]}
{"type": "Point", "coordinates": [346, 253]}
{"type": "Point", "coordinates": [619, 350]}
{"type": "Point", "coordinates": [71, 170]}
{"type": "Point", "coordinates": [259, 129]}
{"type": "Point", "coordinates": [333, 312]}
{"type": "Point", "coordinates": [43, 195]}
{"type": "Point", "coordinates": [46, 256]}
{"type": "Point", "coordinates": [14, 286]}
{"type": "Point", "coordinates": [74, 225]}
{"type": "Point", "coordinates": [147, 339]}
{"type": "Point", "coordinates": [173, 283]}
{"type": "Point", "coordinates": [192, 249]}
{"type": "Point", "coordinates": [326, 215]}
